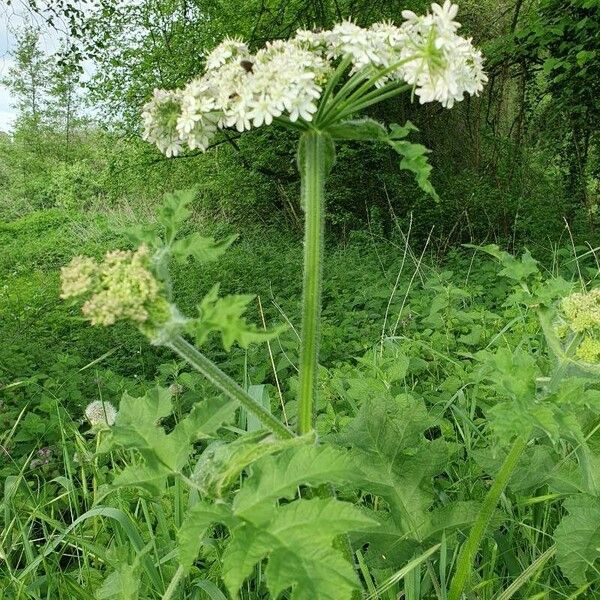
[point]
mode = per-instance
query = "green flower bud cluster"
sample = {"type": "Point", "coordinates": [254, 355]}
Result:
{"type": "Point", "coordinates": [589, 350]}
{"type": "Point", "coordinates": [120, 287]}
{"type": "Point", "coordinates": [582, 311]}
{"type": "Point", "coordinates": [581, 314]}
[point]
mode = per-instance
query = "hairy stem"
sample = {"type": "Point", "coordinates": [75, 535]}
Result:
{"type": "Point", "coordinates": [312, 172]}
{"type": "Point", "coordinates": [227, 385]}
{"type": "Point", "coordinates": [466, 557]}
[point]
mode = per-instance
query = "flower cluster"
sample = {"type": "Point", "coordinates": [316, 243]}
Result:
{"type": "Point", "coordinates": [286, 78]}
{"type": "Point", "coordinates": [122, 286]}
{"type": "Point", "coordinates": [100, 413]}
{"type": "Point", "coordinates": [581, 313]}
{"type": "Point", "coordinates": [582, 310]}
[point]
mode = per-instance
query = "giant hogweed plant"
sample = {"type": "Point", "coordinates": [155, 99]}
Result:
{"type": "Point", "coordinates": [274, 489]}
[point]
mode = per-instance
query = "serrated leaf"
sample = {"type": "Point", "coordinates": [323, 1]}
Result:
{"type": "Point", "coordinates": [516, 270]}
{"type": "Point", "coordinates": [395, 459]}
{"type": "Point", "coordinates": [202, 249]}
{"type": "Point", "coordinates": [399, 132]}
{"type": "Point", "coordinates": [578, 538]}
{"type": "Point", "coordinates": [415, 160]}
{"type": "Point", "coordinates": [137, 427]}
{"type": "Point", "coordinates": [316, 574]}
{"type": "Point", "coordinates": [174, 211]}
{"type": "Point", "coordinates": [136, 423]}
{"type": "Point", "coordinates": [297, 539]}
{"type": "Point", "coordinates": [220, 464]}
{"type": "Point", "coordinates": [198, 519]}
{"type": "Point", "coordinates": [225, 315]}
{"type": "Point", "coordinates": [276, 477]}
{"type": "Point", "coordinates": [151, 478]}
{"type": "Point", "coordinates": [205, 419]}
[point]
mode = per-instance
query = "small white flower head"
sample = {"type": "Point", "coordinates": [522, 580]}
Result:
{"type": "Point", "coordinates": [100, 413]}
{"type": "Point", "coordinates": [229, 50]}
{"type": "Point", "coordinates": [441, 65]}
{"type": "Point", "coordinates": [160, 116]}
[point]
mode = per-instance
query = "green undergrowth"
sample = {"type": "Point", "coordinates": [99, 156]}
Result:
{"type": "Point", "coordinates": [425, 366]}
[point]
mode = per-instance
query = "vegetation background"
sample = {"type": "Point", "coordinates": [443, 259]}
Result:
{"type": "Point", "coordinates": [518, 167]}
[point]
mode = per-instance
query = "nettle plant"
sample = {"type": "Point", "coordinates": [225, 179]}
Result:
{"type": "Point", "coordinates": [273, 489]}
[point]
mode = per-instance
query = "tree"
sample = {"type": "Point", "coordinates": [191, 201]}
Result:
{"type": "Point", "coordinates": [27, 78]}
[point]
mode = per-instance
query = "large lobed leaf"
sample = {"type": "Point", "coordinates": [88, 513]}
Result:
{"type": "Point", "coordinates": [137, 427]}
{"type": "Point", "coordinates": [298, 540]}
{"type": "Point", "coordinates": [578, 539]}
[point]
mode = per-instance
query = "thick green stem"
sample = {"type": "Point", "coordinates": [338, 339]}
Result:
{"type": "Point", "coordinates": [312, 163]}
{"type": "Point", "coordinates": [227, 385]}
{"type": "Point", "coordinates": [467, 554]}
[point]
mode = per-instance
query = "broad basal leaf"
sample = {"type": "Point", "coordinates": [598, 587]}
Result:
{"type": "Point", "coordinates": [122, 584]}
{"type": "Point", "coordinates": [276, 477]}
{"type": "Point", "coordinates": [137, 427]}
{"type": "Point", "coordinates": [221, 464]}
{"type": "Point", "coordinates": [198, 519]}
{"type": "Point", "coordinates": [578, 539]}
{"type": "Point", "coordinates": [395, 459]}
{"type": "Point", "coordinates": [298, 540]}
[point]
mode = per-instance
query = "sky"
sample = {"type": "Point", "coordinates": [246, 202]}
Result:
{"type": "Point", "coordinates": [13, 18]}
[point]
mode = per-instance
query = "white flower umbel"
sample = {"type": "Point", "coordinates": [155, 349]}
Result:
{"type": "Point", "coordinates": [284, 80]}
{"type": "Point", "coordinates": [160, 116]}
{"type": "Point", "coordinates": [100, 413]}
{"type": "Point", "coordinates": [441, 65]}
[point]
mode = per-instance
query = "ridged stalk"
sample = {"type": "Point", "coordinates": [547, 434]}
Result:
{"type": "Point", "coordinates": [228, 386]}
{"type": "Point", "coordinates": [312, 164]}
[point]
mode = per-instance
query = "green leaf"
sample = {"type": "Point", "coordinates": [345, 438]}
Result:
{"type": "Point", "coordinates": [399, 132]}
{"type": "Point", "coordinates": [150, 478]}
{"type": "Point", "coordinates": [205, 419]}
{"type": "Point", "coordinates": [298, 540]}
{"type": "Point", "coordinates": [174, 211]}
{"type": "Point", "coordinates": [517, 270]}
{"type": "Point", "coordinates": [220, 464]}
{"type": "Point", "coordinates": [136, 424]}
{"type": "Point", "coordinates": [358, 129]}
{"type": "Point", "coordinates": [395, 459]}
{"type": "Point", "coordinates": [137, 427]}
{"type": "Point", "coordinates": [414, 156]}
{"type": "Point", "coordinates": [198, 519]}
{"type": "Point", "coordinates": [315, 574]}
{"type": "Point", "coordinates": [276, 477]}
{"type": "Point", "coordinates": [578, 538]}
{"type": "Point", "coordinates": [203, 249]}
{"type": "Point", "coordinates": [225, 315]}
{"type": "Point", "coordinates": [122, 584]}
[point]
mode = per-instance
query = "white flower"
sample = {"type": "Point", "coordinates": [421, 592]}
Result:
{"type": "Point", "coordinates": [441, 65]}
{"type": "Point", "coordinates": [101, 413]}
{"type": "Point", "coordinates": [160, 116]}
{"type": "Point", "coordinates": [228, 50]}
{"type": "Point", "coordinates": [262, 111]}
